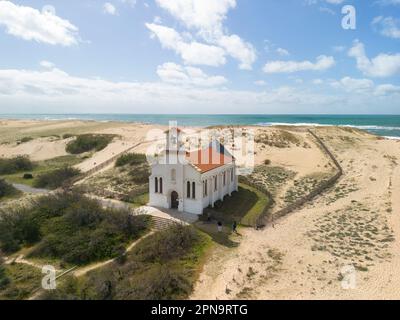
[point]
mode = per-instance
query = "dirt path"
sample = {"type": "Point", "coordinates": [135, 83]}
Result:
{"type": "Point", "coordinates": [84, 270]}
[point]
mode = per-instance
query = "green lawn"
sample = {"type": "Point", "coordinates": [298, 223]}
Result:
{"type": "Point", "coordinates": [42, 167]}
{"type": "Point", "coordinates": [244, 206]}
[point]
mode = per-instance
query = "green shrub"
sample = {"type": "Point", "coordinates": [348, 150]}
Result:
{"type": "Point", "coordinates": [70, 227]}
{"type": "Point", "coordinates": [67, 136]}
{"type": "Point", "coordinates": [131, 159]}
{"type": "Point", "coordinates": [88, 142]}
{"type": "Point", "coordinates": [14, 165]}
{"type": "Point", "coordinates": [140, 175]}
{"type": "Point", "coordinates": [167, 245]}
{"type": "Point", "coordinates": [26, 139]}
{"type": "Point", "coordinates": [143, 275]}
{"type": "Point", "coordinates": [56, 178]}
{"type": "Point", "coordinates": [27, 176]}
{"type": "Point", "coordinates": [4, 280]}
{"type": "Point", "coordinates": [6, 189]}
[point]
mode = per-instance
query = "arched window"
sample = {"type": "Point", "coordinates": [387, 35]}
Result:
{"type": "Point", "coordinates": [194, 190]}
{"type": "Point", "coordinates": [188, 189]}
{"type": "Point", "coordinates": [156, 185]}
{"type": "Point", "coordinates": [173, 175]}
{"type": "Point", "coordinates": [161, 186]}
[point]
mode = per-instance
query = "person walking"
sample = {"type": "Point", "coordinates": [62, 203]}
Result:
{"type": "Point", "coordinates": [219, 224]}
{"type": "Point", "coordinates": [234, 227]}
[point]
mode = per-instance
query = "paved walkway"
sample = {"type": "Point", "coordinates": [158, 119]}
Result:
{"type": "Point", "coordinates": [27, 189]}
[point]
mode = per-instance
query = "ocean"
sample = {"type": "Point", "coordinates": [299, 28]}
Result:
{"type": "Point", "coordinates": [382, 125]}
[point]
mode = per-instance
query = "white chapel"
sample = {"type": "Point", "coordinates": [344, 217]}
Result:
{"type": "Point", "coordinates": [191, 181]}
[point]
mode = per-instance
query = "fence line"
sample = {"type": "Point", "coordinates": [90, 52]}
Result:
{"type": "Point", "coordinates": [323, 186]}
{"type": "Point", "coordinates": [103, 164]}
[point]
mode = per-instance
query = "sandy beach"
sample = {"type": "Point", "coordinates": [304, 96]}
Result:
{"type": "Point", "coordinates": [302, 255]}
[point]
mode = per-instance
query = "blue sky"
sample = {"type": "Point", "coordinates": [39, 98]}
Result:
{"type": "Point", "coordinates": [199, 56]}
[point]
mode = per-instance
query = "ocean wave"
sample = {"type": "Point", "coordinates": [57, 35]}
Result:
{"type": "Point", "coordinates": [392, 138]}
{"type": "Point", "coordinates": [311, 124]}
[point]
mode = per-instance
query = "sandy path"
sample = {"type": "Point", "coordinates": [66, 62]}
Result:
{"type": "Point", "coordinates": [84, 270]}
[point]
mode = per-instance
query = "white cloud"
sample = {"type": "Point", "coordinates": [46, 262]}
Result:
{"type": "Point", "coordinates": [260, 83]}
{"type": "Point", "coordinates": [238, 49]}
{"type": "Point", "coordinates": [339, 48]}
{"type": "Point", "coordinates": [109, 8]}
{"type": "Point", "coordinates": [131, 3]}
{"type": "Point", "coordinates": [354, 85]}
{"type": "Point", "coordinates": [322, 63]}
{"type": "Point", "coordinates": [56, 91]}
{"type": "Point", "coordinates": [204, 15]}
{"type": "Point", "coordinates": [47, 64]}
{"type": "Point", "coordinates": [387, 89]}
{"type": "Point", "coordinates": [383, 65]}
{"type": "Point", "coordinates": [365, 87]}
{"type": "Point", "coordinates": [194, 53]}
{"type": "Point", "coordinates": [31, 24]}
{"type": "Point", "coordinates": [282, 52]}
{"type": "Point", "coordinates": [207, 17]}
{"type": "Point", "coordinates": [387, 26]}
{"type": "Point", "coordinates": [173, 73]}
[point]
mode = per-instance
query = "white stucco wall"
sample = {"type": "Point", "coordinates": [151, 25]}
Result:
{"type": "Point", "coordinates": [185, 173]}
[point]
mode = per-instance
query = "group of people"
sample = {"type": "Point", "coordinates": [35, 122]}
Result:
{"type": "Point", "coordinates": [234, 227]}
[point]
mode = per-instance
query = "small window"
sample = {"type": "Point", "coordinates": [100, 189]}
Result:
{"type": "Point", "coordinates": [232, 175]}
{"type": "Point", "coordinates": [156, 185]}
{"type": "Point", "coordinates": [188, 189]}
{"type": "Point", "coordinates": [194, 190]}
{"type": "Point", "coordinates": [173, 175]}
{"type": "Point", "coordinates": [161, 186]}
{"type": "Point", "coordinates": [215, 184]}
{"type": "Point", "coordinates": [224, 178]}
{"type": "Point", "coordinates": [205, 188]}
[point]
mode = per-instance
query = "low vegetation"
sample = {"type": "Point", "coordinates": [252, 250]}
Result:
{"type": "Point", "coordinates": [270, 178]}
{"type": "Point", "coordinates": [163, 266]}
{"type": "Point", "coordinates": [25, 139]}
{"type": "Point", "coordinates": [303, 186]}
{"type": "Point", "coordinates": [356, 234]}
{"type": "Point", "coordinates": [69, 227]}
{"type": "Point", "coordinates": [18, 281]}
{"type": "Point", "coordinates": [7, 190]}
{"type": "Point", "coordinates": [56, 178]}
{"type": "Point", "coordinates": [89, 142]}
{"type": "Point", "coordinates": [14, 165]}
{"type": "Point", "coordinates": [279, 139]}
{"type": "Point", "coordinates": [131, 159]}
{"type": "Point", "coordinates": [127, 181]}
{"type": "Point", "coordinates": [30, 174]}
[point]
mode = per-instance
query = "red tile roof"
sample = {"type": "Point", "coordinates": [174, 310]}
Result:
{"type": "Point", "coordinates": [173, 130]}
{"type": "Point", "coordinates": [208, 159]}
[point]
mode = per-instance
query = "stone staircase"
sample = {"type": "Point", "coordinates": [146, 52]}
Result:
{"type": "Point", "coordinates": [160, 224]}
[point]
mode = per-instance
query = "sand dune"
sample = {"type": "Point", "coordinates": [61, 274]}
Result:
{"type": "Point", "coordinates": [302, 256]}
